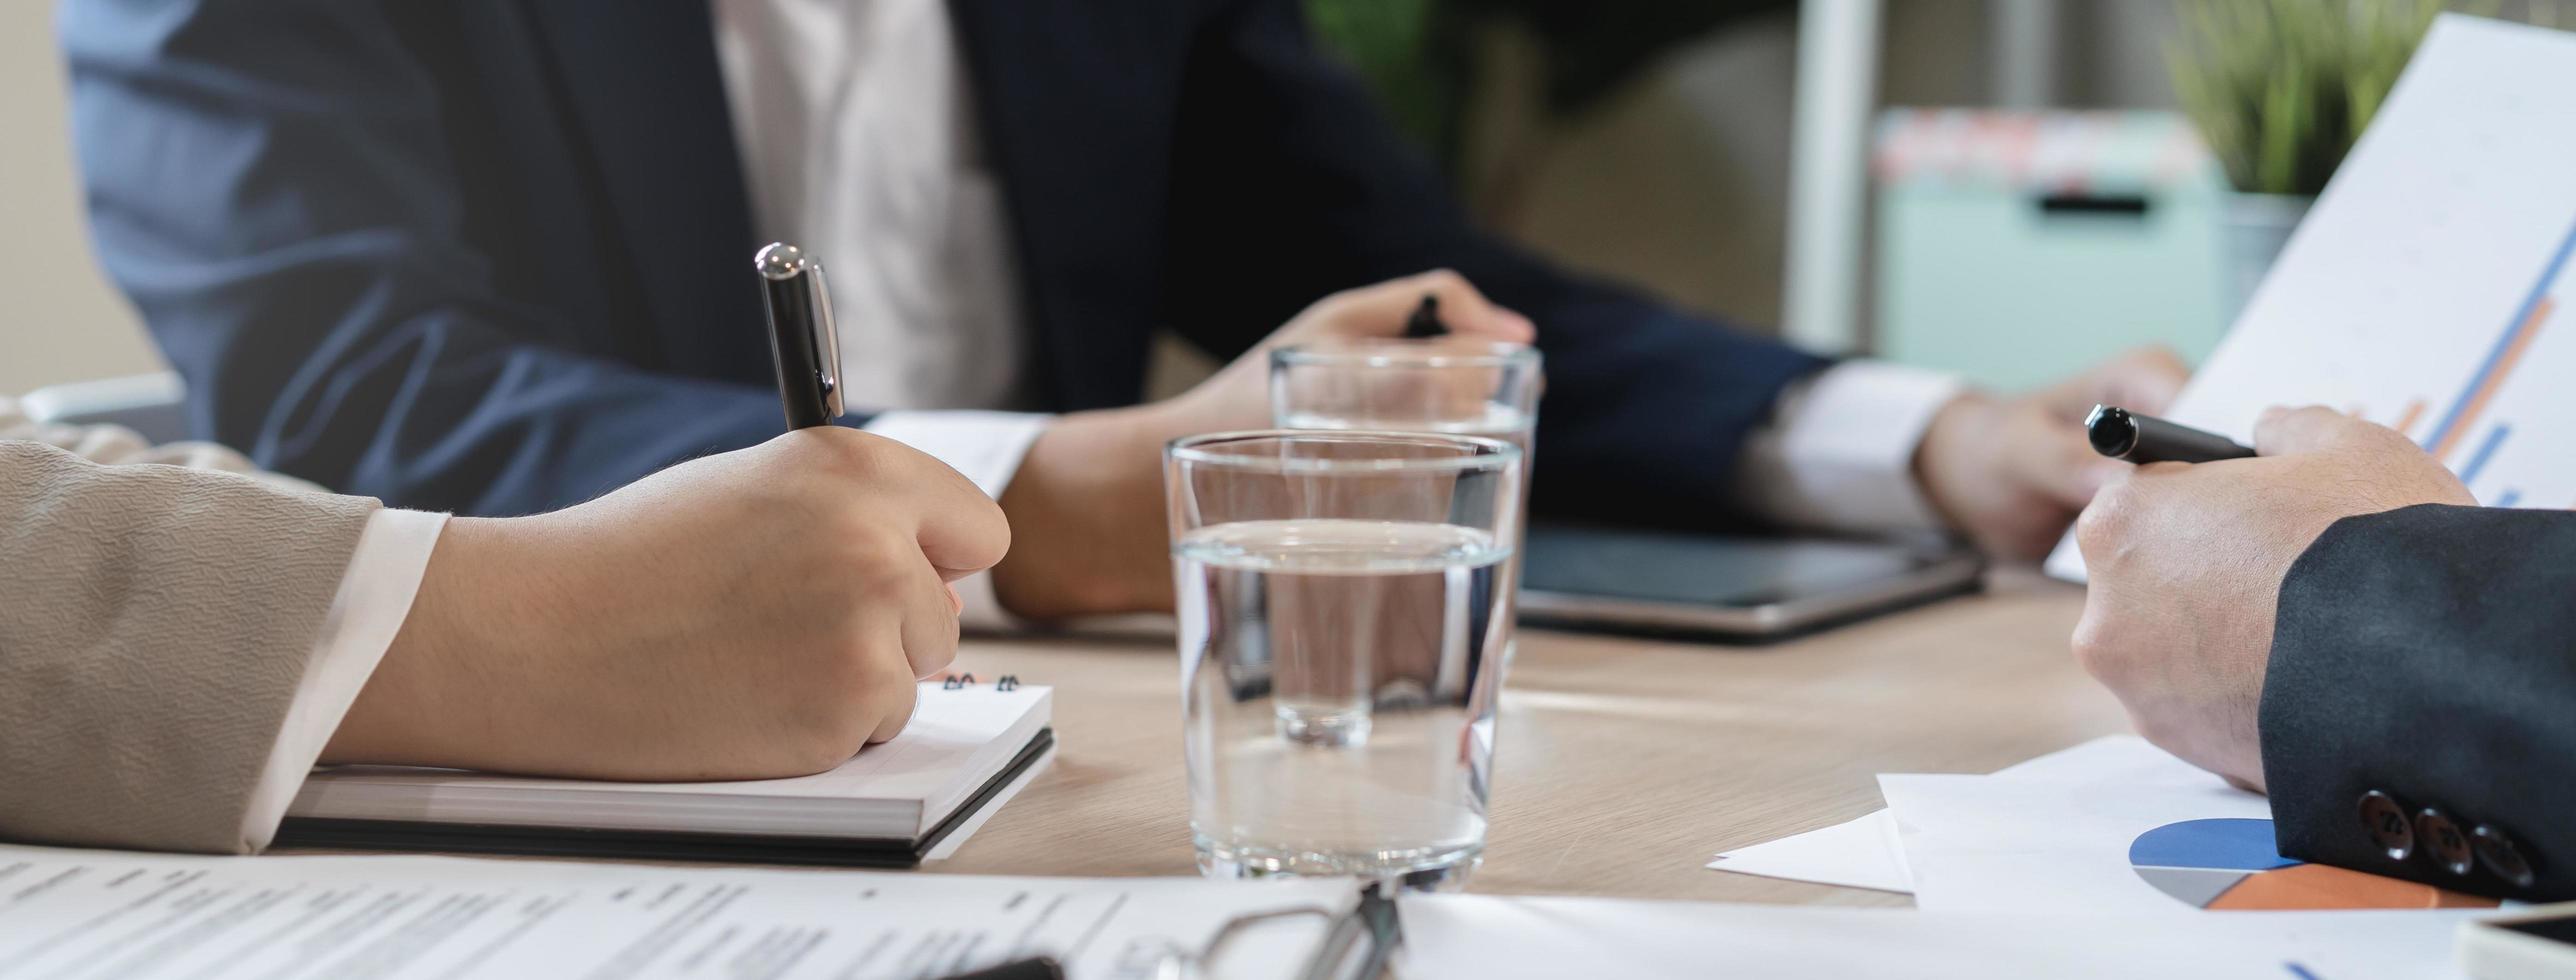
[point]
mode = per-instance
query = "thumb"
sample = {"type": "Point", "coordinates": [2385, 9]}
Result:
{"type": "Point", "coordinates": [2284, 431]}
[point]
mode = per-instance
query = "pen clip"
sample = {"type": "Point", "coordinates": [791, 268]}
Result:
{"type": "Point", "coordinates": [827, 341]}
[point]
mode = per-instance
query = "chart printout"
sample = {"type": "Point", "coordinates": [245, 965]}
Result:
{"type": "Point", "coordinates": [2430, 290]}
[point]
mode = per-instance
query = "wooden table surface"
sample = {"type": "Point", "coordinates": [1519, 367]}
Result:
{"type": "Point", "coordinates": [1623, 765]}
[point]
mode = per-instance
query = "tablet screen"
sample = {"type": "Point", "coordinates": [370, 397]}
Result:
{"type": "Point", "coordinates": [1704, 569]}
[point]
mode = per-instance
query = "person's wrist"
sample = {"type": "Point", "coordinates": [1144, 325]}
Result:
{"type": "Point", "coordinates": [1946, 440]}
{"type": "Point", "coordinates": [1086, 512]}
{"type": "Point", "coordinates": [420, 706]}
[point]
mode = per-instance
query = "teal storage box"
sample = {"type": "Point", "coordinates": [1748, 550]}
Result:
{"type": "Point", "coordinates": [2018, 248]}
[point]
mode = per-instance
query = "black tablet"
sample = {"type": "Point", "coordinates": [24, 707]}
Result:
{"type": "Point", "coordinates": [1728, 587]}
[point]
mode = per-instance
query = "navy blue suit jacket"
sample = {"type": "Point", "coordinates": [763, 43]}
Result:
{"type": "Point", "coordinates": [493, 256]}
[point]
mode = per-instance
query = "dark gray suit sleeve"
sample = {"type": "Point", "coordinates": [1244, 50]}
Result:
{"type": "Point", "coordinates": [2429, 654]}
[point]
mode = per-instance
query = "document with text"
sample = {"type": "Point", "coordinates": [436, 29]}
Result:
{"type": "Point", "coordinates": [104, 914]}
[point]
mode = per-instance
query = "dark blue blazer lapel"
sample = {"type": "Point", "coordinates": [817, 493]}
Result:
{"type": "Point", "coordinates": [640, 85]}
{"type": "Point", "coordinates": [1075, 99]}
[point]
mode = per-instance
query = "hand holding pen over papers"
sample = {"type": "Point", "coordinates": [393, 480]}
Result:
{"type": "Point", "coordinates": [758, 613]}
{"type": "Point", "coordinates": [2186, 562]}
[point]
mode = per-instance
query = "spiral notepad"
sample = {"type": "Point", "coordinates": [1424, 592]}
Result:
{"type": "Point", "coordinates": [887, 806]}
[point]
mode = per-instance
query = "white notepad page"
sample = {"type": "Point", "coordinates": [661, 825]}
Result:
{"type": "Point", "coordinates": [957, 742]}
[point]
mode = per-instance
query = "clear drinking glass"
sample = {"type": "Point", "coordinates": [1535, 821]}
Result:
{"type": "Point", "coordinates": [1453, 385]}
{"type": "Point", "coordinates": [1450, 384]}
{"type": "Point", "coordinates": [1342, 643]}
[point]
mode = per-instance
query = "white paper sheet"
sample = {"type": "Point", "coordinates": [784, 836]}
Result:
{"type": "Point", "coordinates": [114, 914]}
{"type": "Point", "coordinates": [2428, 288]}
{"type": "Point", "coordinates": [1859, 853]}
{"type": "Point", "coordinates": [1982, 844]}
{"type": "Point", "coordinates": [1475, 936]}
{"type": "Point", "coordinates": [1867, 852]}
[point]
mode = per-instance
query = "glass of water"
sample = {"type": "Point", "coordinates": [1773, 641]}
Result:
{"type": "Point", "coordinates": [1342, 645]}
{"type": "Point", "coordinates": [1453, 384]}
{"type": "Point", "coordinates": [1450, 384]}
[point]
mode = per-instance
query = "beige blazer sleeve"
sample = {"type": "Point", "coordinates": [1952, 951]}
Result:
{"type": "Point", "coordinates": [154, 624]}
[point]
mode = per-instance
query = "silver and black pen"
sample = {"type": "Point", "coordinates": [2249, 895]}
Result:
{"type": "Point", "coordinates": [803, 341]}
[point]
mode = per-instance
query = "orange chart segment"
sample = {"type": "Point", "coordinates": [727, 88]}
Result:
{"type": "Point", "coordinates": [2317, 886]}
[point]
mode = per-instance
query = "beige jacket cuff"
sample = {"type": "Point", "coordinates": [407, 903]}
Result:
{"type": "Point", "coordinates": [367, 611]}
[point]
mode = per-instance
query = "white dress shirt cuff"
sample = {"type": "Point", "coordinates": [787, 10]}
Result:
{"type": "Point", "coordinates": [1838, 454]}
{"type": "Point", "coordinates": [985, 446]}
{"type": "Point", "coordinates": [374, 598]}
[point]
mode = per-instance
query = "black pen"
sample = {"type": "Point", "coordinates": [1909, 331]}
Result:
{"type": "Point", "coordinates": [1425, 321]}
{"type": "Point", "coordinates": [802, 340]}
{"type": "Point", "coordinates": [1033, 968]}
{"type": "Point", "coordinates": [2123, 434]}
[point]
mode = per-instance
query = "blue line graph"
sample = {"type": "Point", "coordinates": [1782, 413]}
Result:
{"type": "Point", "coordinates": [2486, 451]}
{"type": "Point", "coordinates": [2513, 331]}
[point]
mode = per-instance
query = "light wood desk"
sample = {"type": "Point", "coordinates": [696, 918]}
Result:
{"type": "Point", "coordinates": [1623, 764]}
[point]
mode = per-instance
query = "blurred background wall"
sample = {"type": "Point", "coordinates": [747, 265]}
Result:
{"type": "Point", "coordinates": [61, 321]}
{"type": "Point", "coordinates": [1679, 180]}
{"type": "Point", "coordinates": [1674, 178]}
{"type": "Point", "coordinates": [1648, 140]}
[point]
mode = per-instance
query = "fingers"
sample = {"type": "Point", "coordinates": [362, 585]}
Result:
{"type": "Point", "coordinates": [887, 696]}
{"type": "Point", "coordinates": [2143, 380]}
{"type": "Point", "coordinates": [930, 627]}
{"type": "Point", "coordinates": [2057, 461]}
{"type": "Point", "coordinates": [958, 528]}
{"type": "Point", "coordinates": [2284, 431]}
{"type": "Point", "coordinates": [961, 531]}
{"type": "Point", "coordinates": [1381, 310]}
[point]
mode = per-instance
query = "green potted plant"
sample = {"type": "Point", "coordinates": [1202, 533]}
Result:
{"type": "Point", "coordinates": [2280, 89]}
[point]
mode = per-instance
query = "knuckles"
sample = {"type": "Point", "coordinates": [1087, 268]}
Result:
{"type": "Point", "coordinates": [2095, 648]}
{"type": "Point", "coordinates": [870, 553]}
{"type": "Point", "coordinates": [2103, 528]}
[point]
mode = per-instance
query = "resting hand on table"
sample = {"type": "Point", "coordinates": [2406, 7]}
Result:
{"type": "Point", "coordinates": [753, 614]}
{"type": "Point", "coordinates": [2186, 564]}
{"type": "Point", "coordinates": [1087, 500]}
{"type": "Point", "coordinates": [2012, 473]}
